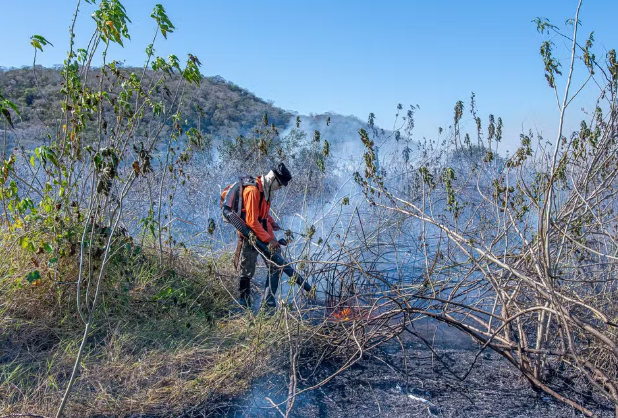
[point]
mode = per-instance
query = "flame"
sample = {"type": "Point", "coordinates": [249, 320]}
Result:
{"type": "Point", "coordinates": [345, 314]}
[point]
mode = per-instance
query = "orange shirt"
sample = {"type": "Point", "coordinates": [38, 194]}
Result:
{"type": "Point", "coordinates": [253, 212]}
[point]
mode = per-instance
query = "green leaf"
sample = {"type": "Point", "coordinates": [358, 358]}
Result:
{"type": "Point", "coordinates": [11, 105]}
{"type": "Point", "coordinates": [48, 248]}
{"type": "Point", "coordinates": [111, 19]}
{"type": "Point", "coordinates": [33, 276]}
{"type": "Point", "coordinates": [38, 42]}
{"type": "Point", "coordinates": [23, 242]}
{"type": "Point", "coordinates": [7, 116]}
{"type": "Point", "coordinates": [165, 25]}
{"type": "Point", "coordinates": [32, 161]}
{"type": "Point", "coordinates": [163, 293]}
{"type": "Point", "coordinates": [51, 155]}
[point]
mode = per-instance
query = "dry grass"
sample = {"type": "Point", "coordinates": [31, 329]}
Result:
{"type": "Point", "coordinates": [152, 350]}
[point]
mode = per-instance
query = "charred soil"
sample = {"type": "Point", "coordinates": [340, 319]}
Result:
{"type": "Point", "coordinates": [412, 380]}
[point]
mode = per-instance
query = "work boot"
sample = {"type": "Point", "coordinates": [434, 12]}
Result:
{"type": "Point", "coordinates": [245, 302]}
{"type": "Point", "coordinates": [244, 289]}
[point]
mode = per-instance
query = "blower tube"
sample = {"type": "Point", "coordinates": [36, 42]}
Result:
{"type": "Point", "coordinates": [233, 218]}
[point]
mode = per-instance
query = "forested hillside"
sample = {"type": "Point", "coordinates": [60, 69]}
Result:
{"type": "Point", "coordinates": [223, 109]}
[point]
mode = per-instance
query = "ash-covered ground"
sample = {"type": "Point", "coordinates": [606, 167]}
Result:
{"type": "Point", "coordinates": [414, 382]}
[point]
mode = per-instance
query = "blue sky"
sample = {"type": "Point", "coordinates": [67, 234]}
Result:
{"type": "Point", "coordinates": [350, 57]}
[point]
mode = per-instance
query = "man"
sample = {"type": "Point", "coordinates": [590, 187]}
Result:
{"type": "Point", "coordinates": [255, 211]}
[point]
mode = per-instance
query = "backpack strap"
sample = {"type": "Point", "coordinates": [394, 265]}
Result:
{"type": "Point", "coordinates": [264, 221]}
{"type": "Point", "coordinates": [240, 202]}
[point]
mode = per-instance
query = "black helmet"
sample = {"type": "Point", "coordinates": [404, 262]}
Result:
{"type": "Point", "coordinates": [282, 173]}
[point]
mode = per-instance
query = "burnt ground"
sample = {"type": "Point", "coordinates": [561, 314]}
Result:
{"type": "Point", "coordinates": [379, 386]}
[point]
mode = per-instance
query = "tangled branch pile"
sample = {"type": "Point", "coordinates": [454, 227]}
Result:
{"type": "Point", "coordinates": [520, 253]}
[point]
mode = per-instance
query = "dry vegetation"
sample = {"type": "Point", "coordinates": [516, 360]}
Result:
{"type": "Point", "coordinates": [150, 348]}
{"type": "Point", "coordinates": [520, 253]}
{"type": "Point", "coordinates": [104, 310]}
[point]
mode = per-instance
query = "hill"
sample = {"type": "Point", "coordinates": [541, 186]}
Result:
{"type": "Point", "coordinates": [223, 109]}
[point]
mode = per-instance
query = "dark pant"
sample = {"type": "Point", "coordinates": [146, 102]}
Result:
{"type": "Point", "coordinates": [246, 266]}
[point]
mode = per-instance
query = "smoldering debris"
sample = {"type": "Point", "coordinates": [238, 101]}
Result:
{"type": "Point", "coordinates": [412, 382]}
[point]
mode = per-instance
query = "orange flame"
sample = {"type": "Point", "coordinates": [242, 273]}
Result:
{"type": "Point", "coordinates": [345, 314]}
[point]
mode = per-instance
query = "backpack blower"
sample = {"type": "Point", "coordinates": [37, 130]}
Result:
{"type": "Point", "coordinates": [232, 194]}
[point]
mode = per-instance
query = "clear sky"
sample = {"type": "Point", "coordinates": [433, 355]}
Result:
{"type": "Point", "coordinates": [350, 57]}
